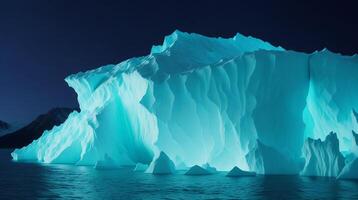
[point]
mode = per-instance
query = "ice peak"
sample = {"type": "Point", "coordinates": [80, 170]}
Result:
{"type": "Point", "coordinates": [246, 43]}
{"type": "Point", "coordinates": [169, 41]}
{"type": "Point", "coordinates": [253, 43]}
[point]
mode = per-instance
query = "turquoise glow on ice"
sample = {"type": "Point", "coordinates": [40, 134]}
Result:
{"type": "Point", "coordinates": [204, 100]}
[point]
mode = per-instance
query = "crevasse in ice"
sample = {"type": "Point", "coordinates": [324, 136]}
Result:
{"type": "Point", "coordinates": [204, 100]}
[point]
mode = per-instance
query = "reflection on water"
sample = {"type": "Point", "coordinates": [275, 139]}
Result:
{"type": "Point", "coordinates": [35, 181]}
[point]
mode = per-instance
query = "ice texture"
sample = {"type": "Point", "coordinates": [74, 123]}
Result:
{"type": "Point", "coordinates": [139, 167]}
{"type": "Point", "coordinates": [331, 97]}
{"type": "Point", "coordinates": [161, 165]}
{"type": "Point", "coordinates": [322, 158]}
{"type": "Point", "coordinates": [263, 159]}
{"type": "Point", "coordinates": [350, 170]}
{"type": "Point", "coordinates": [354, 147]}
{"type": "Point", "coordinates": [204, 100]}
{"type": "Point", "coordinates": [209, 168]}
{"type": "Point", "coordinates": [237, 172]}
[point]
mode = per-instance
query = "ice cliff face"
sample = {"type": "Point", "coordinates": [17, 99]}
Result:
{"type": "Point", "coordinates": [332, 97]}
{"type": "Point", "coordinates": [203, 100]}
{"type": "Point", "coordinates": [323, 158]}
{"type": "Point", "coordinates": [350, 170]}
{"type": "Point", "coordinates": [266, 160]}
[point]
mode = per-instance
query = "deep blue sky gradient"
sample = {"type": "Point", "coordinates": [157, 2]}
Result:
{"type": "Point", "coordinates": [41, 42]}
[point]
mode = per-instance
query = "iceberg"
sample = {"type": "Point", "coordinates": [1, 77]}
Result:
{"type": "Point", "coordinates": [161, 165]}
{"type": "Point", "coordinates": [205, 100]}
{"type": "Point", "coordinates": [322, 158]}
{"type": "Point", "coordinates": [237, 172]}
{"type": "Point", "coordinates": [196, 170]}
{"type": "Point", "coordinates": [204, 169]}
{"type": "Point", "coordinates": [209, 168]}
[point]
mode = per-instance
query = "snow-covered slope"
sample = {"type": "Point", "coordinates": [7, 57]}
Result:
{"type": "Point", "coordinates": [203, 100]}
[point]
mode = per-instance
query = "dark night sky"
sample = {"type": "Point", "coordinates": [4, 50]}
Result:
{"type": "Point", "coordinates": [41, 42]}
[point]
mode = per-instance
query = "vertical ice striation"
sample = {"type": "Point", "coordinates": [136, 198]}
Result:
{"type": "Point", "coordinates": [332, 96]}
{"type": "Point", "coordinates": [203, 100]}
{"type": "Point", "coordinates": [113, 128]}
{"type": "Point", "coordinates": [266, 160]}
{"type": "Point", "coordinates": [350, 170]}
{"type": "Point", "coordinates": [322, 158]}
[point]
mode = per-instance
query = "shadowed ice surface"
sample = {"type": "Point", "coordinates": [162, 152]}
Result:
{"type": "Point", "coordinates": [35, 181]}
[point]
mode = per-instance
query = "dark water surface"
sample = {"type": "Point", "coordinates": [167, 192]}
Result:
{"type": "Point", "coordinates": [36, 181]}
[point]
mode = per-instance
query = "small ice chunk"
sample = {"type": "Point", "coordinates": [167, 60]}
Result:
{"type": "Point", "coordinates": [235, 172]}
{"type": "Point", "coordinates": [197, 170]}
{"type": "Point", "coordinates": [209, 168]}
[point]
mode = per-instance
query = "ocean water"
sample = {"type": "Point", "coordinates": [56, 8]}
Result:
{"type": "Point", "coordinates": [38, 181]}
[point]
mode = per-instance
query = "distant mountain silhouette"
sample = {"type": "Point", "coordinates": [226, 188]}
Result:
{"type": "Point", "coordinates": [4, 126]}
{"type": "Point", "coordinates": [34, 130]}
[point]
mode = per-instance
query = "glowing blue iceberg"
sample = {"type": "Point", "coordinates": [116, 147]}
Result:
{"type": "Point", "coordinates": [204, 100]}
{"type": "Point", "coordinates": [323, 158]}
